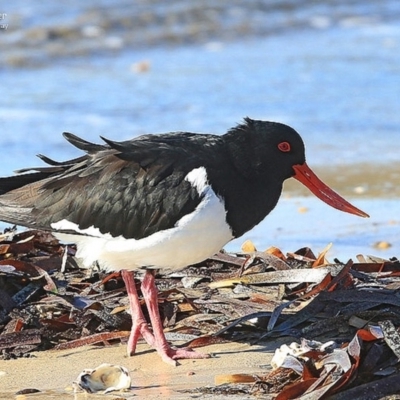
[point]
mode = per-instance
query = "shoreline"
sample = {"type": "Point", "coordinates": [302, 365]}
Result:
{"type": "Point", "coordinates": [358, 180]}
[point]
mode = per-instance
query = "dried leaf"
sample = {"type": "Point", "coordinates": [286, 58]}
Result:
{"type": "Point", "coordinates": [272, 261]}
{"type": "Point", "coordinates": [355, 296]}
{"type": "Point", "coordinates": [15, 325]}
{"type": "Point", "coordinates": [29, 336]}
{"type": "Point", "coordinates": [366, 335]}
{"type": "Point", "coordinates": [391, 336]}
{"type": "Point", "coordinates": [20, 266]}
{"type": "Point", "coordinates": [119, 309]}
{"type": "Point", "coordinates": [243, 319]}
{"type": "Point", "coordinates": [205, 341]}
{"type": "Point", "coordinates": [93, 339]}
{"type": "Point", "coordinates": [293, 363]}
{"type": "Point", "coordinates": [342, 275]}
{"type": "Point", "coordinates": [357, 322]}
{"type": "Point", "coordinates": [50, 286]}
{"type": "Point", "coordinates": [354, 349]}
{"type": "Point", "coordinates": [306, 253]}
{"type": "Point", "coordinates": [295, 390]}
{"type": "Point", "coordinates": [274, 277]}
{"type": "Point", "coordinates": [374, 390]}
{"type": "Point", "coordinates": [276, 313]}
{"type": "Point", "coordinates": [339, 357]}
{"type": "Point", "coordinates": [26, 292]}
{"type": "Point", "coordinates": [248, 247]}
{"type": "Point", "coordinates": [324, 284]}
{"type": "Point", "coordinates": [275, 252]}
{"type": "Point", "coordinates": [229, 258]}
{"type": "Point", "coordinates": [234, 378]}
{"type": "Point", "coordinates": [4, 248]}
{"type": "Point", "coordinates": [321, 259]}
{"type": "Point", "coordinates": [310, 310]}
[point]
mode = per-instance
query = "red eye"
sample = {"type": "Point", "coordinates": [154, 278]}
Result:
{"type": "Point", "coordinates": [284, 146]}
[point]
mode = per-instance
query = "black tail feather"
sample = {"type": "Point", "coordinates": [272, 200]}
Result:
{"type": "Point", "coordinates": [17, 181]}
{"type": "Point", "coordinates": [113, 144]}
{"type": "Point", "coordinates": [67, 163]}
{"type": "Point", "coordinates": [83, 144]}
{"type": "Point", "coordinates": [30, 175]}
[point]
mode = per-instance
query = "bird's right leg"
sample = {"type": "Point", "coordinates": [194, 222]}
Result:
{"type": "Point", "coordinates": [139, 324]}
{"type": "Point", "coordinates": [167, 353]}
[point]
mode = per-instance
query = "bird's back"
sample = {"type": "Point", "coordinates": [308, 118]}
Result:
{"type": "Point", "coordinates": [126, 188]}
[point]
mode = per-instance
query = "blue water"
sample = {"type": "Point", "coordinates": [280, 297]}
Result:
{"type": "Point", "coordinates": [289, 228]}
{"type": "Point", "coordinates": [335, 78]}
{"type": "Point", "coordinates": [338, 87]}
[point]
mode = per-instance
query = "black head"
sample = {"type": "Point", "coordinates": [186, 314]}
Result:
{"type": "Point", "coordinates": [272, 152]}
{"type": "Point", "coordinates": [266, 148]}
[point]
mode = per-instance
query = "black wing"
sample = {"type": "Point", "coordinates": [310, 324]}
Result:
{"type": "Point", "coordinates": [132, 188]}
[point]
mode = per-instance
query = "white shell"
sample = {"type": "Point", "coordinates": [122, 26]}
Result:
{"type": "Point", "coordinates": [286, 353]}
{"type": "Point", "coordinates": [105, 378]}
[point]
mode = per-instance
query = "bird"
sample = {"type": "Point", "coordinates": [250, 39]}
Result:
{"type": "Point", "coordinates": [161, 202]}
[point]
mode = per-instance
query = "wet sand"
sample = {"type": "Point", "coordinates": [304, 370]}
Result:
{"type": "Point", "coordinates": [52, 372]}
{"type": "Point", "coordinates": [362, 180]}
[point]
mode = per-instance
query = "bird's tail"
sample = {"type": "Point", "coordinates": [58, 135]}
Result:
{"type": "Point", "coordinates": [15, 182]}
{"type": "Point", "coordinates": [13, 189]}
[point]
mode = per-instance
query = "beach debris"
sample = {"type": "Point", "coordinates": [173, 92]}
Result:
{"type": "Point", "coordinates": [14, 339]}
{"type": "Point", "coordinates": [105, 378]}
{"type": "Point", "coordinates": [27, 391]}
{"type": "Point", "coordinates": [104, 338]}
{"type": "Point", "coordinates": [48, 302]}
{"type": "Point", "coordinates": [285, 354]}
{"type": "Point", "coordinates": [314, 370]}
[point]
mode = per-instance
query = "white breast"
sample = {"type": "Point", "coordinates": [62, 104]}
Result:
{"type": "Point", "coordinates": [194, 238]}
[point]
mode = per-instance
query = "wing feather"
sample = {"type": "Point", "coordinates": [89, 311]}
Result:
{"type": "Point", "coordinates": [132, 188]}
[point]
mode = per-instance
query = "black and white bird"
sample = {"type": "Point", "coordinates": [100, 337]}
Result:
{"type": "Point", "coordinates": [162, 201]}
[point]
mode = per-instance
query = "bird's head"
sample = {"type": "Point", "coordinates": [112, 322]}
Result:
{"type": "Point", "coordinates": [277, 152]}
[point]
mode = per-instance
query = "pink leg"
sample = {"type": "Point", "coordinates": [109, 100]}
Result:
{"type": "Point", "coordinates": [139, 324]}
{"type": "Point", "coordinates": [167, 353]}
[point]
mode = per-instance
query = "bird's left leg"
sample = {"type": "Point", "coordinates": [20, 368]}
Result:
{"type": "Point", "coordinates": [139, 323]}
{"type": "Point", "coordinates": [167, 353]}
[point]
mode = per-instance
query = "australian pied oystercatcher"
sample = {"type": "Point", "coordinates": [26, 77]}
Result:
{"type": "Point", "coordinates": [161, 202]}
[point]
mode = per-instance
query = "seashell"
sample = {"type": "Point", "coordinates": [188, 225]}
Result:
{"type": "Point", "coordinates": [105, 378]}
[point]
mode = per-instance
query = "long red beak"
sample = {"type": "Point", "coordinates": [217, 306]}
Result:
{"type": "Point", "coordinates": [306, 176]}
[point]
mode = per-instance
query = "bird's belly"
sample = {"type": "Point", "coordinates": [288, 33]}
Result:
{"type": "Point", "coordinates": [195, 237]}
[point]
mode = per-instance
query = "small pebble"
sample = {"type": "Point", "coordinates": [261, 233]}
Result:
{"type": "Point", "coordinates": [382, 245]}
{"type": "Point", "coordinates": [360, 189]}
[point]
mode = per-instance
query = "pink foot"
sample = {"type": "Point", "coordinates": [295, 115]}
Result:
{"type": "Point", "coordinates": [167, 353]}
{"type": "Point", "coordinates": [170, 354]}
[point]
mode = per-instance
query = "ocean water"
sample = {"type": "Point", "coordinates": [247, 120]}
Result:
{"type": "Point", "coordinates": [121, 69]}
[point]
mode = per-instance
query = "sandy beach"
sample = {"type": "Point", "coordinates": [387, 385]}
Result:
{"type": "Point", "coordinates": [52, 372]}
